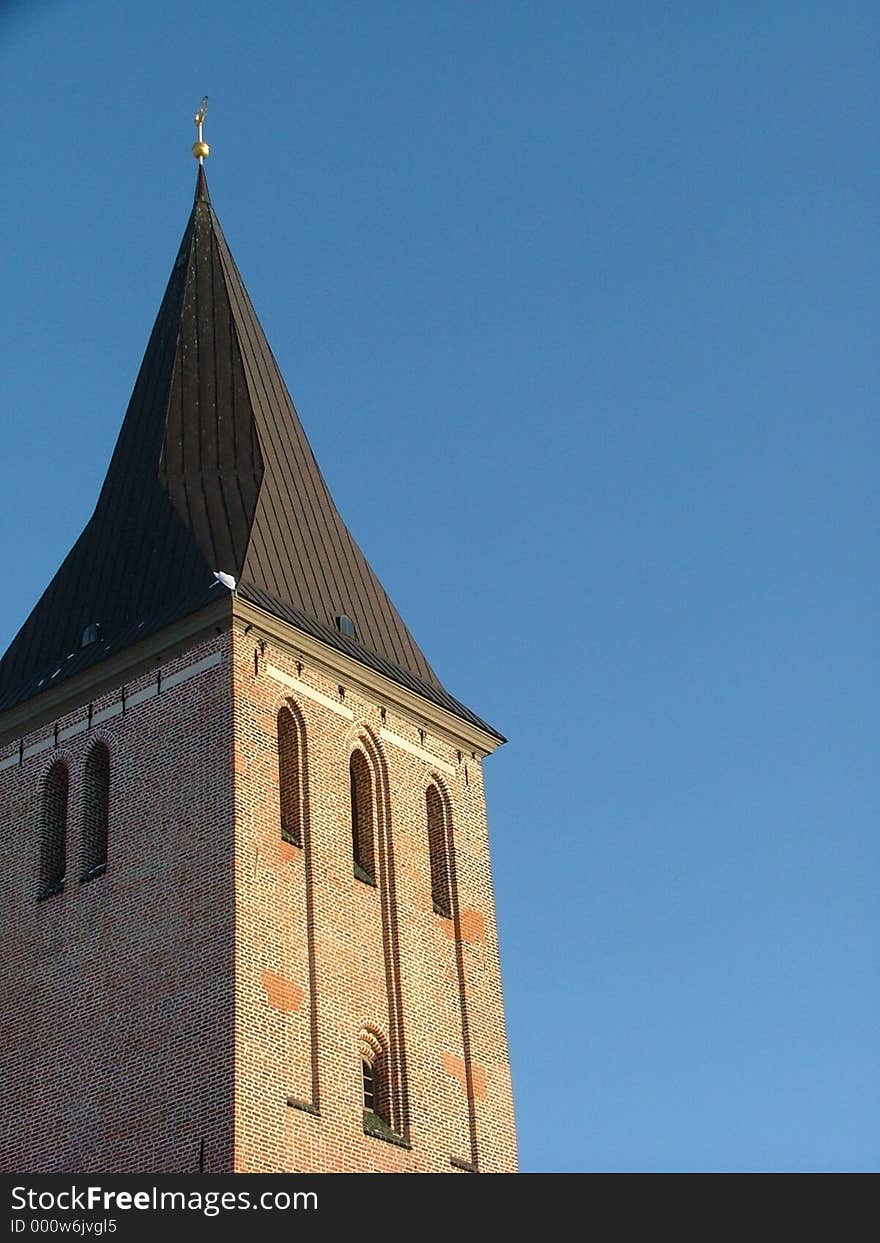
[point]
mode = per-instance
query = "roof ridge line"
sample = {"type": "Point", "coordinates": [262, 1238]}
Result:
{"type": "Point", "coordinates": [233, 320]}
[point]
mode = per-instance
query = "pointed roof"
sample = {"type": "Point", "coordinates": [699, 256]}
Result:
{"type": "Point", "coordinates": [212, 471]}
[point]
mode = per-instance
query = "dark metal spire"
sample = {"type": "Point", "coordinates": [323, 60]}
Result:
{"type": "Point", "coordinates": [212, 472]}
{"type": "Point", "coordinates": [201, 194]}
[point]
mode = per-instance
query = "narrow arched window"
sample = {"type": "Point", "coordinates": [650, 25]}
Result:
{"type": "Point", "coordinates": [53, 845]}
{"type": "Point", "coordinates": [378, 1113]}
{"type": "Point", "coordinates": [437, 852]}
{"type": "Point", "coordinates": [290, 777]}
{"type": "Point", "coordinates": [362, 847]}
{"type": "Point", "coordinates": [96, 812]}
{"type": "Point", "coordinates": [370, 1094]}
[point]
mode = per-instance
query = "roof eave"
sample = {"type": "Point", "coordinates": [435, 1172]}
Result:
{"type": "Point", "coordinates": [36, 710]}
{"type": "Point", "coordinates": [455, 729]}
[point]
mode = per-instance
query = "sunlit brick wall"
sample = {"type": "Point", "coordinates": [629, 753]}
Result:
{"type": "Point", "coordinates": [320, 955]}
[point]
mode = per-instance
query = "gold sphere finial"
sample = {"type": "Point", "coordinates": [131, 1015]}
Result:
{"type": "Point", "coordinates": [200, 149]}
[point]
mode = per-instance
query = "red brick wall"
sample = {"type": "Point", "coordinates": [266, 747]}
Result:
{"type": "Point", "coordinates": [380, 957]}
{"type": "Point", "coordinates": [116, 1015]}
{"type": "Point", "coordinates": [170, 1008]}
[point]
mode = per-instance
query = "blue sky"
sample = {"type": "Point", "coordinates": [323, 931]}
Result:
{"type": "Point", "coordinates": [577, 303]}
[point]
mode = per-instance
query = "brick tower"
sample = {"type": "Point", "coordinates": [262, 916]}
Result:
{"type": "Point", "coordinates": [248, 921]}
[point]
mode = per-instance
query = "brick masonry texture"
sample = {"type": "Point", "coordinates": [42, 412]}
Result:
{"type": "Point", "coordinates": [117, 1019]}
{"type": "Point", "coordinates": [204, 1003]}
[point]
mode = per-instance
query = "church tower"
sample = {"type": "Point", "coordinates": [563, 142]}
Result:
{"type": "Point", "coordinates": [248, 920]}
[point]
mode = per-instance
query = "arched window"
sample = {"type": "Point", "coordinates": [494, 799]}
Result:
{"type": "Point", "coordinates": [370, 1092]}
{"type": "Point", "coordinates": [363, 850]}
{"type": "Point", "coordinates": [90, 635]}
{"type": "Point", "coordinates": [376, 1083]}
{"type": "Point", "coordinates": [53, 845]}
{"type": "Point", "coordinates": [96, 812]}
{"type": "Point", "coordinates": [290, 785]}
{"type": "Point", "coordinates": [437, 852]}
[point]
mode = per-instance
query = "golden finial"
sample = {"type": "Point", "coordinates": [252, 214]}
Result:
{"type": "Point", "coordinates": [200, 148]}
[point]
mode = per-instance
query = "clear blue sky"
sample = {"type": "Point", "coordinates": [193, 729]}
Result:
{"type": "Point", "coordinates": [577, 302]}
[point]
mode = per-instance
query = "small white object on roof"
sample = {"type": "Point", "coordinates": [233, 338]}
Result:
{"type": "Point", "coordinates": [226, 579]}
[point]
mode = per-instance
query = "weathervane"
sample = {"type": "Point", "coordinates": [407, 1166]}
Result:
{"type": "Point", "coordinates": [200, 148]}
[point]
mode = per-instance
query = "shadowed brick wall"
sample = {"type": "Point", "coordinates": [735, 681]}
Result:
{"type": "Point", "coordinates": [117, 994]}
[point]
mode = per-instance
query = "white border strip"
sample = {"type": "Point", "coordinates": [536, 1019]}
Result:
{"type": "Point", "coordinates": [419, 752]}
{"type": "Point", "coordinates": [106, 714]}
{"type": "Point", "coordinates": [302, 689]}
{"type": "Point", "coordinates": [115, 709]}
{"type": "Point", "coordinates": [37, 747]}
{"type": "Point", "coordinates": [183, 675]}
{"type": "Point", "coordinates": [141, 696]}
